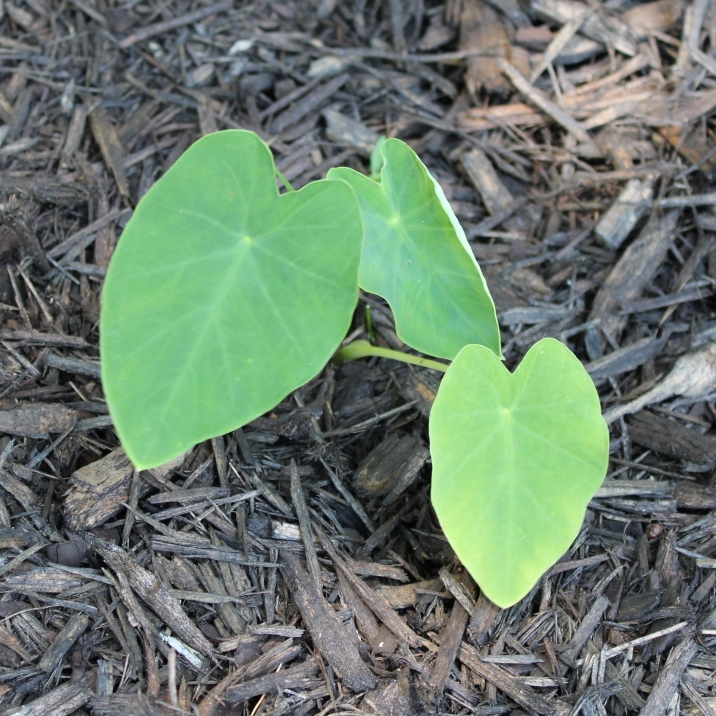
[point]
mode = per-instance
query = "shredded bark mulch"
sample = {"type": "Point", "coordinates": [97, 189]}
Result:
{"type": "Point", "coordinates": [295, 566]}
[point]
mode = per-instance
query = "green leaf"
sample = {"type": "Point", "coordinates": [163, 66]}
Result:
{"type": "Point", "coordinates": [416, 256]}
{"type": "Point", "coordinates": [516, 458]}
{"type": "Point", "coordinates": [222, 296]}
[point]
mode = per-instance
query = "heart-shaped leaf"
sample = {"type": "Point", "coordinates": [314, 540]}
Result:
{"type": "Point", "coordinates": [222, 296]}
{"type": "Point", "coordinates": [416, 256]}
{"type": "Point", "coordinates": [516, 458]}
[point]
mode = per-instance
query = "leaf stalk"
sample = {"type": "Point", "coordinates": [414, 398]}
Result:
{"type": "Point", "coordinates": [363, 349]}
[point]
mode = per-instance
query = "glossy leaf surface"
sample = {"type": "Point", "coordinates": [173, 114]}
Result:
{"type": "Point", "coordinates": [516, 458]}
{"type": "Point", "coordinates": [416, 256]}
{"type": "Point", "coordinates": [222, 296]}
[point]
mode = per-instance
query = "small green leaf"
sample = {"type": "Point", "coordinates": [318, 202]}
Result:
{"type": "Point", "coordinates": [516, 458]}
{"type": "Point", "coordinates": [222, 296]}
{"type": "Point", "coordinates": [416, 256]}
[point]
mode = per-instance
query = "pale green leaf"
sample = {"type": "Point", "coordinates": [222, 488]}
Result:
{"type": "Point", "coordinates": [516, 458]}
{"type": "Point", "coordinates": [222, 296]}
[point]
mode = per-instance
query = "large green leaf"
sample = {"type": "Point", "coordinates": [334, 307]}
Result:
{"type": "Point", "coordinates": [516, 458]}
{"type": "Point", "coordinates": [416, 256]}
{"type": "Point", "coordinates": [222, 296]}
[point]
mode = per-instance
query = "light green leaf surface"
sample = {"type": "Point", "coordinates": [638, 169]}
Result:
{"type": "Point", "coordinates": [416, 256]}
{"type": "Point", "coordinates": [222, 296]}
{"type": "Point", "coordinates": [516, 458]}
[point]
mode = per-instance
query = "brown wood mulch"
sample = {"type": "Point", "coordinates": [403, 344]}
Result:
{"type": "Point", "coordinates": [295, 566]}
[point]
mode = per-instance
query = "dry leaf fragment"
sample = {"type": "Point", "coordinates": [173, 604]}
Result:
{"type": "Point", "coordinates": [692, 376]}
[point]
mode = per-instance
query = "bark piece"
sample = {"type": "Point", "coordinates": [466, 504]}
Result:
{"type": "Point", "coordinates": [541, 100]}
{"type": "Point", "coordinates": [46, 190]}
{"type": "Point", "coordinates": [329, 635]}
{"type": "Point", "coordinates": [112, 151]}
{"type": "Point", "coordinates": [693, 376]}
{"type": "Point", "coordinates": [98, 490]}
{"type": "Point", "coordinates": [623, 215]}
{"type": "Point", "coordinates": [229, 613]}
{"type": "Point", "coordinates": [407, 595]}
{"type": "Point", "coordinates": [69, 248]}
{"type": "Point", "coordinates": [195, 547]}
{"type": "Point", "coordinates": [61, 701]}
{"type": "Point", "coordinates": [365, 620]}
{"type": "Point", "coordinates": [634, 607]}
{"type": "Point", "coordinates": [495, 195]}
{"type": "Point", "coordinates": [296, 677]}
{"type": "Point", "coordinates": [37, 421]}
{"type": "Point", "coordinates": [376, 569]}
{"type": "Point", "coordinates": [64, 641]}
{"type": "Point", "coordinates": [155, 593]}
{"type": "Point", "coordinates": [12, 537]}
{"type": "Point", "coordinates": [74, 133]}
{"type": "Point", "coordinates": [312, 102]}
{"type": "Point", "coordinates": [460, 588]}
{"type": "Point", "coordinates": [345, 130]}
{"type": "Point", "coordinates": [669, 437]}
{"type": "Point", "coordinates": [12, 642]}
{"type": "Point", "coordinates": [37, 338]}
{"type": "Point", "coordinates": [377, 603]}
{"type": "Point", "coordinates": [625, 359]}
{"type": "Point", "coordinates": [483, 620]}
{"type": "Point", "coordinates": [19, 490]}
{"type": "Point", "coordinates": [422, 388]}
{"type": "Point", "coordinates": [269, 661]}
{"type": "Point", "coordinates": [505, 681]}
{"type": "Point", "coordinates": [450, 641]}
{"type": "Point", "coordinates": [605, 29]}
{"type": "Point", "coordinates": [119, 704]}
{"type": "Point", "coordinates": [304, 521]}
{"type": "Point", "coordinates": [161, 27]}
{"type": "Point", "coordinates": [69, 554]}
{"type": "Point", "coordinates": [481, 30]}
{"type": "Point", "coordinates": [627, 694]}
{"type": "Point", "coordinates": [391, 698]}
{"type": "Point", "coordinates": [692, 496]}
{"type": "Point", "coordinates": [391, 467]}
{"type": "Point", "coordinates": [588, 625]}
{"type": "Point", "coordinates": [691, 145]}
{"type": "Point", "coordinates": [219, 449]}
{"type": "Point", "coordinates": [192, 496]}
{"type": "Point", "coordinates": [20, 113]}
{"type": "Point", "coordinates": [437, 35]}
{"type": "Point", "coordinates": [656, 16]}
{"type": "Point", "coordinates": [73, 365]}
{"type": "Point", "coordinates": [633, 272]}
{"type": "Point", "coordinates": [44, 580]}
{"type": "Point", "coordinates": [669, 677]}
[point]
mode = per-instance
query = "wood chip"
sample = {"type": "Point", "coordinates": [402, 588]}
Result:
{"type": "Point", "coordinates": [329, 635]}
{"type": "Point", "coordinates": [633, 272]}
{"type": "Point", "coordinates": [673, 439]}
{"type": "Point", "coordinates": [106, 136]}
{"type": "Point", "coordinates": [667, 683]}
{"type": "Point", "coordinates": [156, 594]}
{"type": "Point", "coordinates": [37, 421]}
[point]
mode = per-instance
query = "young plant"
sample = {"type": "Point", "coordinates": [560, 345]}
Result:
{"type": "Point", "coordinates": [223, 296]}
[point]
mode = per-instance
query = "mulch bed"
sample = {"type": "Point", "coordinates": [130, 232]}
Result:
{"type": "Point", "coordinates": [295, 566]}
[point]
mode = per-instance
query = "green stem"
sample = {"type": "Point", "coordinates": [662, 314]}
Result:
{"type": "Point", "coordinates": [363, 349]}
